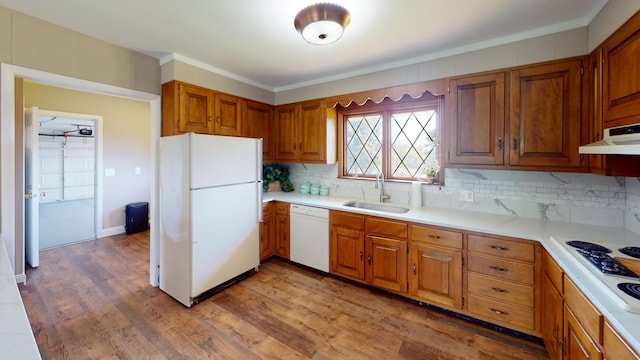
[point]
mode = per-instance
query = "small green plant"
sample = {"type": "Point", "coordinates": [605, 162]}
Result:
{"type": "Point", "coordinates": [276, 172]}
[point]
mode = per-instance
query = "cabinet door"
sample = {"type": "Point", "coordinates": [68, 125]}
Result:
{"type": "Point", "coordinates": [312, 136]}
{"type": "Point", "coordinates": [436, 274]}
{"type": "Point", "coordinates": [476, 118]}
{"type": "Point", "coordinates": [614, 346]}
{"type": "Point", "coordinates": [267, 232]}
{"type": "Point", "coordinates": [621, 75]}
{"type": "Point", "coordinates": [578, 345]}
{"type": "Point", "coordinates": [596, 161]}
{"type": "Point", "coordinates": [257, 125]}
{"type": "Point", "coordinates": [282, 241]}
{"type": "Point", "coordinates": [284, 127]}
{"type": "Point", "coordinates": [347, 252]}
{"type": "Point", "coordinates": [552, 319]}
{"type": "Point", "coordinates": [196, 108]}
{"type": "Point", "coordinates": [545, 115]}
{"type": "Point", "coordinates": [387, 263]}
{"type": "Point", "coordinates": [228, 119]}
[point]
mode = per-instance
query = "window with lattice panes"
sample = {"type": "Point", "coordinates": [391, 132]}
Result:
{"type": "Point", "coordinates": [398, 139]}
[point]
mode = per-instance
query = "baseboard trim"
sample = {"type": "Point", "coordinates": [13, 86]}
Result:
{"type": "Point", "coordinates": [112, 231]}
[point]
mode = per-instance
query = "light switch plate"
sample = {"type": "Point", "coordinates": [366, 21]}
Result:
{"type": "Point", "coordinates": [109, 172]}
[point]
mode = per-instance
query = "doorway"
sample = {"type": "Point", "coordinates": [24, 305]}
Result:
{"type": "Point", "coordinates": [67, 158]}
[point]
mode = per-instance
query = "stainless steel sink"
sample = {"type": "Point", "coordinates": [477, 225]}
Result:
{"type": "Point", "coordinates": [377, 207]}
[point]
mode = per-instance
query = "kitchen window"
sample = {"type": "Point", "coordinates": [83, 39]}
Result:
{"type": "Point", "coordinates": [397, 138]}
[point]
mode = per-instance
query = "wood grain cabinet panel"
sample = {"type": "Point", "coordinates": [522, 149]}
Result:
{"type": "Point", "coordinates": [346, 247]}
{"type": "Point", "coordinates": [583, 310]}
{"type": "Point", "coordinates": [282, 242]}
{"type": "Point", "coordinates": [258, 120]}
{"type": "Point", "coordinates": [502, 268]}
{"type": "Point", "coordinates": [578, 345]}
{"type": "Point", "coordinates": [387, 263]}
{"type": "Point", "coordinates": [621, 75]}
{"type": "Point", "coordinates": [267, 232]}
{"type": "Point", "coordinates": [614, 346]}
{"type": "Point", "coordinates": [228, 115]}
{"type": "Point", "coordinates": [545, 115]}
{"type": "Point", "coordinates": [552, 318]}
{"type": "Point", "coordinates": [436, 274]}
{"type": "Point", "coordinates": [502, 312]}
{"type": "Point", "coordinates": [477, 120]}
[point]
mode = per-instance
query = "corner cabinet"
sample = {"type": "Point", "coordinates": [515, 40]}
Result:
{"type": "Point", "coordinates": [305, 132]}
{"type": "Point", "coordinates": [190, 108]}
{"type": "Point", "coordinates": [258, 119]}
{"type": "Point", "coordinates": [267, 232]}
{"type": "Point", "coordinates": [282, 240]}
{"type": "Point", "coordinates": [525, 118]}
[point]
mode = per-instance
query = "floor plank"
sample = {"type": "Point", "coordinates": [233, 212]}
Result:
{"type": "Point", "coordinates": [92, 300]}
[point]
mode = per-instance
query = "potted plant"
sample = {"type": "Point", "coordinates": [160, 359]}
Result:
{"type": "Point", "coordinates": [276, 177]}
{"type": "Point", "coordinates": [431, 172]}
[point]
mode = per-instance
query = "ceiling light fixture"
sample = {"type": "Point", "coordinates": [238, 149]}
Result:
{"type": "Point", "coordinates": [322, 23]}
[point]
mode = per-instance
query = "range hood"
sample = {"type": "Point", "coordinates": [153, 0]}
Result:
{"type": "Point", "coordinates": [623, 140]}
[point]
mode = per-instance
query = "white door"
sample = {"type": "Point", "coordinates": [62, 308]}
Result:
{"type": "Point", "coordinates": [31, 187]}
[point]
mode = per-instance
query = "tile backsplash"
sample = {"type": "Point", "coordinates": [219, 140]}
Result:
{"type": "Point", "coordinates": [569, 197]}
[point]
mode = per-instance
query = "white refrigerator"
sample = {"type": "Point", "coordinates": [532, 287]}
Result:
{"type": "Point", "coordinates": [210, 209]}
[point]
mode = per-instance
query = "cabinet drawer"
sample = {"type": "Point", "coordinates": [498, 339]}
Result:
{"type": "Point", "coordinates": [501, 268]}
{"type": "Point", "coordinates": [267, 209]}
{"type": "Point", "coordinates": [501, 247]}
{"type": "Point", "coordinates": [282, 208]}
{"type": "Point", "coordinates": [502, 312]}
{"type": "Point", "coordinates": [501, 290]}
{"type": "Point", "coordinates": [434, 236]}
{"type": "Point", "coordinates": [588, 316]}
{"type": "Point", "coordinates": [348, 220]}
{"type": "Point", "coordinates": [553, 271]}
{"type": "Point", "coordinates": [384, 227]}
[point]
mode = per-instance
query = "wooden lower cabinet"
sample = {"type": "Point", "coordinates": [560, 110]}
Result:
{"type": "Point", "coordinates": [503, 282]}
{"type": "Point", "coordinates": [435, 266]}
{"type": "Point", "coordinates": [578, 344]}
{"type": "Point", "coordinates": [552, 319]}
{"type": "Point", "coordinates": [267, 232]}
{"type": "Point", "coordinates": [361, 252]}
{"type": "Point", "coordinates": [282, 240]}
{"type": "Point", "coordinates": [614, 346]}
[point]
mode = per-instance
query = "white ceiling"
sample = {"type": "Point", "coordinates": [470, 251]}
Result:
{"type": "Point", "coordinates": [254, 40]}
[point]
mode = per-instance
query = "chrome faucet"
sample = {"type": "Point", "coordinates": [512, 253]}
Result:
{"type": "Point", "coordinates": [380, 180]}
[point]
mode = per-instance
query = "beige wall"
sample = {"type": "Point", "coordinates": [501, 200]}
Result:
{"type": "Point", "coordinates": [126, 142]}
{"type": "Point", "coordinates": [614, 14]}
{"type": "Point", "coordinates": [32, 43]}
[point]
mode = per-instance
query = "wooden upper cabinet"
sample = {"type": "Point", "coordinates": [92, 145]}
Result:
{"type": "Point", "coordinates": [257, 124]}
{"type": "Point", "coordinates": [476, 118]}
{"type": "Point", "coordinates": [545, 115]}
{"type": "Point", "coordinates": [186, 108]}
{"type": "Point", "coordinates": [312, 138]}
{"type": "Point", "coordinates": [596, 161]}
{"type": "Point", "coordinates": [621, 75]}
{"type": "Point", "coordinates": [286, 140]}
{"type": "Point", "coordinates": [228, 115]}
{"type": "Point", "coordinates": [302, 131]}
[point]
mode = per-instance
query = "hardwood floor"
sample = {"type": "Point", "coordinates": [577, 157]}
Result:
{"type": "Point", "coordinates": [93, 301]}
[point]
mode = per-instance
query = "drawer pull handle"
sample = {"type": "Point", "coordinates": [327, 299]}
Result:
{"type": "Point", "coordinates": [499, 290]}
{"type": "Point", "coordinates": [369, 259]}
{"type": "Point", "coordinates": [496, 268]}
{"type": "Point", "coordinates": [414, 269]}
{"type": "Point", "coordinates": [499, 312]}
{"type": "Point", "coordinates": [496, 247]}
{"type": "Point", "coordinates": [361, 255]}
{"type": "Point", "coordinates": [435, 236]}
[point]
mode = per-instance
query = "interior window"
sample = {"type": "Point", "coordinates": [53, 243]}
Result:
{"type": "Point", "coordinates": [397, 138]}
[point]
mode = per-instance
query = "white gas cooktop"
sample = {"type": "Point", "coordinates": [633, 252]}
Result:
{"type": "Point", "coordinates": [611, 281]}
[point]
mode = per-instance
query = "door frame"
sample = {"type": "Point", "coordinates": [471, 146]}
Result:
{"type": "Point", "coordinates": [11, 182]}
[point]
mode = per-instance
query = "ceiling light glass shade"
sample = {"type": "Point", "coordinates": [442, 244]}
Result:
{"type": "Point", "coordinates": [322, 23]}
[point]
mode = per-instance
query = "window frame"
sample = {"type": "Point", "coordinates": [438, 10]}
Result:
{"type": "Point", "coordinates": [385, 107]}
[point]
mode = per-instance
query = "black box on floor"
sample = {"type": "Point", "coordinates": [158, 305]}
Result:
{"type": "Point", "coordinates": [136, 217]}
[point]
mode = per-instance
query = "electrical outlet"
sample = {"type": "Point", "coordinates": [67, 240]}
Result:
{"type": "Point", "coordinates": [467, 196]}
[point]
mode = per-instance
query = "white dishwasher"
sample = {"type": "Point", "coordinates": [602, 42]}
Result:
{"type": "Point", "coordinates": [309, 236]}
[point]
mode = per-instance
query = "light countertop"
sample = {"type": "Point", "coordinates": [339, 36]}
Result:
{"type": "Point", "coordinates": [16, 337]}
{"type": "Point", "coordinates": [627, 323]}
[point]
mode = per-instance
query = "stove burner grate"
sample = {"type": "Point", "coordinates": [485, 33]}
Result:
{"type": "Point", "coordinates": [631, 289]}
{"type": "Point", "coordinates": [633, 251]}
{"type": "Point", "coordinates": [606, 264]}
{"type": "Point", "coordinates": [588, 246]}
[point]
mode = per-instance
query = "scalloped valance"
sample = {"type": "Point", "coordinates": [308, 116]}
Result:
{"type": "Point", "coordinates": [395, 93]}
